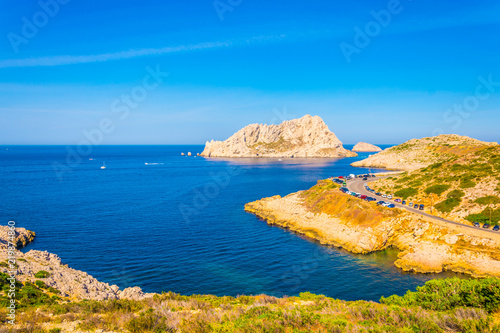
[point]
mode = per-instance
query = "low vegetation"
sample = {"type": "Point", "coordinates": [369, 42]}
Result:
{"type": "Point", "coordinates": [451, 305]}
{"type": "Point", "coordinates": [326, 198]}
{"type": "Point", "coordinates": [465, 186]}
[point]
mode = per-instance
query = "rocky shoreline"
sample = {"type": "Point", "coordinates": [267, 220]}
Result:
{"type": "Point", "coordinates": [71, 283]}
{"type": "Point", "coordinates": [425, 247]}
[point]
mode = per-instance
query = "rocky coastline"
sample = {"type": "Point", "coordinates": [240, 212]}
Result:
{"type": "Point", "coordinates": [426, 247]}
{"type": "Point", "coordinates": [72, 284]}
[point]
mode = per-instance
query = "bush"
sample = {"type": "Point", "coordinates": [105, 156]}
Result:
{"type": "Point", "coordinates": [405, 193]}
{"type": "Point", "coordinates": [42, 274]}
{"type": "Point", "coordinates": [437, 189]}
{"type": "Point", "coordinates": [447, 205]}
{"type": "Point", "coordinates": [448, 294]}
{"type": "Point", "coordinates": [455, 194]}
{"type": "Point", "coordinates": [40, 284]}
{"type": "Point", "coordinates": [479, 218]}
{"type": "Point", "coordinates": [490, 199]}
{"type": "Point", "coordinates": [147, 322]}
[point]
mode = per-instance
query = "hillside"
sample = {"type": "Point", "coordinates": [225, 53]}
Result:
{"type": "Point", "coordinates": [305, 137]}
{"type": "Point", "coordinates": [366, 147]}
{"type": "Point", "coordinates": [419, 153]}
{"type": "Point", "coordinates": [464, 188]}
{"type": "Point", "coordinates": [473, 308]}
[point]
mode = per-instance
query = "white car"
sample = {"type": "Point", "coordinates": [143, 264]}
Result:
{"type": "Point", "coordinates": [385, 204]}
{"type": "Point", "coordinates": [389, 197]}
{"type": "Point", "coordinates": [384, 196]}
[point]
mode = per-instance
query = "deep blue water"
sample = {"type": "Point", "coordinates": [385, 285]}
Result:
{"type": "Point", "coordinates": [179, 225]}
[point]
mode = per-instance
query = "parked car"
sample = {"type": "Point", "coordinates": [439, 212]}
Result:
{"type": "Point", "coordinates": [391, 205]}
{"type": "Point", "coordinates": [363, 197]}
{"type": "Point", "coordinates": [384, 196]}
{"type": "Point", "coordinates": [389, 196]}
{"type": "Point", "coordinates": [365, 178]}
{"type": "Point", "coordinates": [410, 204]}
{"type": "Point", "coordinates": [397, 200]}
{"type": "Point", "coordinates": [421, 207]}
{"type": "Point", "coordinates": [378, 193]}
{"type": "Point", "coordinates": [486, 226]}
{"type": "Point", "coordinates": [404, 202]}
{"type": "Point", "coordinates": [416, 206]}
{"type": "Point", "coordinates": [496, 228]}
{"type": "Point", "coordinates": [477, 225]}
{"type": "Point", "coordinates": [380, 203]}
{"type": "Point", "coordinates": [371, 199]}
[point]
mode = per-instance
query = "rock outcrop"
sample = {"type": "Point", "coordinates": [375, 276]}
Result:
{"type": "Point", "coordinates": [305, 137]}
{"type": "Point", "coordinates": [366, 147]}
{"type": "Point", "coordinates": [419, 153]}
{"type": "Point", "coordinates": [73, 284]}
{"type": "Point", "coordinates": [22, 237]}
{"type": "Point", "coordinates": [426, 245]}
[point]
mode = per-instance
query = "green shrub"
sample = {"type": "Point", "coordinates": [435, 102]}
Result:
{"type": "Point", "coordinates": [480, 218]}
{"type": "Point", "coordinates": [490, 199]}
{"type": "Point", "coordinates": [55, 330]}
{"type": "Point", "coordinates": [40, 284]}
{"type": "Point", "coordinates": [437, 189]}
{"type": "Point", "coordinates": [455, 194]}
{"type": "Point", "coordinates": [406, 192]}
{"type": "Point", "coordinates": [42, 274]}
{"type": "Point", "coordinates": [448, 294]}
{"type": "Point", "coordinates": [147, 322]}
{"type": "Point", "coordinates": [53, 290]}
{"type": "Point", "coordinates": [447, 205]}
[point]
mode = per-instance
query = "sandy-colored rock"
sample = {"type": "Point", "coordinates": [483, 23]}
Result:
{"type": "Point", "coordinates": [366, 147]}
{"type": "Point", "coordinates": [22, 237]}
{"type": "Point", "coordinates": [426, 246]}
{"type": "Point", "coordinates": [305, 137]}
{"type": "Point", "coordinates": [419, 153]}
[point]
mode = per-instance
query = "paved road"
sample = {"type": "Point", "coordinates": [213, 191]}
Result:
{"type": "Point", "coordinates": [357, 185]}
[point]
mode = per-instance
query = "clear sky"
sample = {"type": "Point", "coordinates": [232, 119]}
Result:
{"type": "Point", "coordinates": [376, 71]}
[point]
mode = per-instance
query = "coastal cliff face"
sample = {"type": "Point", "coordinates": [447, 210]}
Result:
{"type": "Point", "coordinates": [419, 153]}
{"type": "Point", "coordinates": [334, 218]}
{"type": "Point", "coordinates": [366, 147]}
{"type": "Point", "coordinates": [305, 137]}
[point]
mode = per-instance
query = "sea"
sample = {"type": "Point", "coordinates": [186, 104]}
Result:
{"type": "Point", "coordinates": [165, 222]}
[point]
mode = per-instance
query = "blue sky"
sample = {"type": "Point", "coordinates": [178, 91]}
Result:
{"type": "Point", "coordinates": [263, 62]}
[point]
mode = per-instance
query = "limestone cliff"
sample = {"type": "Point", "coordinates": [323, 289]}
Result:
{"type": "Point", "coordinates": [419, 153]}
{"type": "Point", "coordinates": [366, 147]}
{"type": "Point", "coordinates": [305, 137]}
{"type": "Point", "coordinates": [22, 237]}
{"type": "Point", "coordinates": [334, 218]}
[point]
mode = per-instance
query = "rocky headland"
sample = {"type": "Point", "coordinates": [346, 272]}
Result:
{"type": "Point", "coordinates": [305, 137]}
{"type": "Point", "coordinates": [366, 147]}
{"type": "Point", "coordinates": [419, 153]}
{"type": "Point", "coordinates": [65, 281]}
{"type": "Point", "coordinates": [334, 218]}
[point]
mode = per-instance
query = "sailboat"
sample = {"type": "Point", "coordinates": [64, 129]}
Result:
{"type": "Point", "coordinates": [103, 165]}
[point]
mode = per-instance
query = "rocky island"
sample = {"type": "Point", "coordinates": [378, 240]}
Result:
{"type": "Point", "coordinates": [366, 147]}
{"type": "Point", "coordinates": [419, 153]}
{"type": "Point", "coordinates": [305, 137]}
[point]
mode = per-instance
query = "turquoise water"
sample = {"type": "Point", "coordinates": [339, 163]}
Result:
{"type": "Point", "coordinates": [177, 223]}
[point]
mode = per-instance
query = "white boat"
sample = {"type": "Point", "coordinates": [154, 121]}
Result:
{"type": "Point", "coordinates": [103, 165]}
